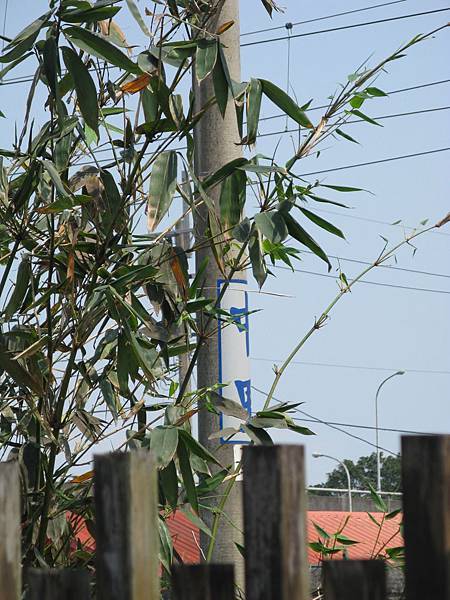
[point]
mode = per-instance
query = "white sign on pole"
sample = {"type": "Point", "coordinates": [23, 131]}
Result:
{"type": "Point", "coordinates": [234, 353]}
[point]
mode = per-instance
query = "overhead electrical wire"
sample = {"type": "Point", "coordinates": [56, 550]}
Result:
{"type": "Point", "coordinates": [345, 27]}
{"type": "Point", "coordinates": [376, 283]}
{"type": "Point", "coordinates": [390, 267]}
{"type": "Point", "coordinates": [353, 367]}
{"type": "Point", "coordinates": [376, 162]}
{"type": "Point", "coordinates": [328, 424]}
{"type": "Point", "coordinates": [332, 16]}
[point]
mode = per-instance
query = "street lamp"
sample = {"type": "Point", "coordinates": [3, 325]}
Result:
{"type": "Point", "coordinates": [349, 482]}
{"type": "Point", "coordinates": [376, 426]}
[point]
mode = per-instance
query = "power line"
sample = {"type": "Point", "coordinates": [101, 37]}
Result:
{"type": "Point", "coordinates": [377, 283]}
{"type": "Point", "coordinates": [377, 162]}
{"type": "Point", "coordinates": [407, 89]}
{"type": "Point", "coordinates": [341, 14]}
{"type": "Point", "coordinates": [391, 267]}
{"type": "Point", "coordinates": [354, 367]}
{"type": "Point", "coordinates": [328, 424]}
{"type": "Point", "coordinates": [381, 118]}
{"type": "Point", "coordinates": [344, 27]}
{"type": "Point", "coordinates": [369, 427]}
{"type": "Point", "coordinates": [375, 221]}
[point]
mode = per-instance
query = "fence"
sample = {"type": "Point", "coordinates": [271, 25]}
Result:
{"type": "Point", "coordinates": [276, 566]}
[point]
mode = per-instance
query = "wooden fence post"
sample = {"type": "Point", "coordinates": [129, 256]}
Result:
{"type": "Point", "coordinates": [426, 503]}
{"type": "Point", "coordinates": [55, 584]}
{"type": "Point", "coordinates": [203, 582]}
{"type": "Point", "coordinates": [127, 534]}
{"type": "Point", "coordinates": [276, 563]}
{"type": "Point", "coordinates": [10, 540]}
{"type": "Point", "coordinates": [354, 580]}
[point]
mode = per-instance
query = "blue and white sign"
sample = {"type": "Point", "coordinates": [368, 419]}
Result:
{"type": "Point", "coordinates": [234, 353]}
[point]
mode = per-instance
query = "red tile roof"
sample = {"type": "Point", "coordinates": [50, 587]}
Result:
{"type": "Point", "coordinates": [359, 527]}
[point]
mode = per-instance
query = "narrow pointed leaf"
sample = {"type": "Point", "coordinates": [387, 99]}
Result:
{"type": "Point", "coordinates": [205, 58]}
{"type": "Point", "coordinates": [101, 48]}
{"type": "Point", "coordinates": [320, 222]}
{"type": "Point", "coordinates": [163, 444]}
{"type": "Point", "coordinates": [254, 97]}
{"type": "Point", "coordinates": [134, 10]}
{"type": "Point", "coordinates": [285, 103]}
{"type": "Point", "coordinates": [163, 182]}
{"type": "Point", "coordinates": [84, 86]}
{"type": "Point", "coordinates": [302, 236]}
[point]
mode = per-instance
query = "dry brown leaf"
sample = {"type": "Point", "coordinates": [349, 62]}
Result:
{"type": "Point", "coordinates": [136, 85]}
{"type": "Point", "coordinates": [225, 27]}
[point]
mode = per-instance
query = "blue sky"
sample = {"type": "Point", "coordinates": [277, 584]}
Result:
{"type": "Point", "coordinates": [375, 326]}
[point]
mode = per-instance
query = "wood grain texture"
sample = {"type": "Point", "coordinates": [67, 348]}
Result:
{"type": "Point", "coordinates": [354, 580]}
{"type": "Point", "coordinates": [127, 534]}
{"type": "Point", "coordinates": [203, 582]}
{"type": "Point", "coordinates": [276, 565]}
{"type": "Point", "coordinates": [426, 504]}
{"type": "Point", "coordinates": [58, 584]}
{"type": "Point", "coordinates": [10, 550]}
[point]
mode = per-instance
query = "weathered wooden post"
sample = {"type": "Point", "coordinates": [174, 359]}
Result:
{"type": "Point", "coordinates": [426, 504]}
{"type": "Point", "coordinates": [276, 563]}
{"type": "Point", "coordinates": [10, 550]}
{"type": "Point", "coordinates": [203, 582]}
{"type": "Point", "coordinates": [354, 580]}
{"type": "Point", "coordinates": [127, 535]}
{"type": "Point", "coordinates": [55, 584]}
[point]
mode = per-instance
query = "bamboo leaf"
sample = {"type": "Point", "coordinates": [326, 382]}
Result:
{"type": "Point", "coordinates": [54, 176]}
{"type": "Point", "coordinates": [169, 484]}
{"type": "Point", "coordinates": [272, 226]}
{"type": "Point", "coordinates": [320, 222]}
{"type": "Point", "coordinates": [186, 474]}
{"type": "Point", "coordinates": [163, 182]}
{"type": "Point", "coordinates": [232, 198]}
{"type": "Point", "coordinates": [20, 289]}
{"type": "Point", "coordinates": [205, 58]}
{"type": "Point", "coordinates": [285, 103]}
{"type": "Point", "coordinates": [134, 10]}
{"type": "Point", "coordinates": [84, 86]}
{"type": "Point", "coordinates": [20, 375]}
{"type": "Point", "coordinates": [254, 97]}
{"type": "Point", "coordinates": [99, 47]}
{"type": "Point", "coordinates": [302, 236]}
{"type": "Point", "coordinates": [163, 445]}
{"type": "Point", "coordinates": [91, 15]}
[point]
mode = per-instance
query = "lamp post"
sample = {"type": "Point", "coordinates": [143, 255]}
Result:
{"type": "Point", "coordinates": [376, 426]}
{"type": "Point", "coordinates": [347, 472]}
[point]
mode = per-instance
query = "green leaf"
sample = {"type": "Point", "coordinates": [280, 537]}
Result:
{"type": "Point", "coordinates": [377, 499]}
{"type": "Point", "coordinates": [99, 47]}
{"type": "Point", "coordinates": [163, 182]}
{"type": "Point", "coordinates": [300, 430]}
{"type": "Point", "coordinates": [19, 50]}
{"type": "Point", "coordinates": [223, 172]}
{"type": "Point", "coordinates": [195, 520]}
{"type": "Point", "coordinates": [163, 445]}
{"type": "Point", "coordinates": [220, 83]}
{"type": "Point", "coordinates": [134, 10]}
{"type": "Point", "coordinates": [374, 91]}
{"type": "Point", "coordinates": [205, 58]}
{"type": "Point", "coordinates": [13, 64]}
{"type": "Point", "coordinates": [149, 104]}
{"type": "Point", "coordinates": [393, 514]}
{"type": "Point", "coordinates": [322, 223]}
{"type": "Point", "coordinates": [54, 176]}
{"type": "Point", "coordinates": [285, 103]}
{"type": "Point", "coordinates": [30, 30]}
{"type": "Point", "coordinates": [342, 188]}
{"type": "Point", "coordinates": [113, 200]}
{"type": "Point", "coordinates": [109, 396]}
{"type": "Point", "coordinates": [91, 15]}
{"type": "Point", "coordinates": [123, 354]}
{"type": "Point", "coordinates": [210, 484]}
{"type": "Point", "coordinates": [259, 268]}
{"type": "Point", "coordinates": [302, 236]}
{"type": "Point", "coordinates": [257, 435]}
{"type": "Point", "coordinates": [364, 117]}
{"type": "Point", "coordinates": [169, 484]}
{"type": "Point", "coordinates": [84, 86]}
{"type": "Point", "coordinates": [20, 289]}
{"type": "Point", "coordinates": [242, 231]}
{"type": "Point", "coordinates": [321, 531]}
{"type": "Point", "coordinates": [254, 97]}
{"type": "Point", "coordinates": [20, 375]}
{"type": "Point", "coordinates": [346, 136]}
{"type": "Point", "coordinates": [186, 474]}
{"type": "Point", "coordinates": [272, 226]}
{"type": "Point", "coordinates": [197, 448]}
{"type": "Point", "coordinates": [232, 198]}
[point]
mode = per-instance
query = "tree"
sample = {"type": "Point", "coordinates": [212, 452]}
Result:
{"type": "Point", "coordinates": [94, 311]}
{"type": "Point", "coordinates": [363, 473]}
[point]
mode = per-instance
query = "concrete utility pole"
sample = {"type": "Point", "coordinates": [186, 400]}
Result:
{"type": "Point", "coordinates": [216, 141]}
